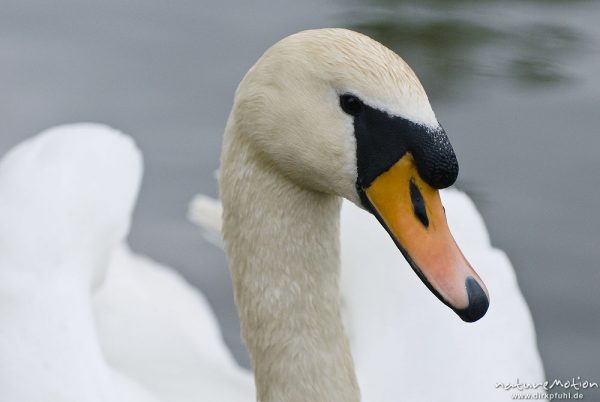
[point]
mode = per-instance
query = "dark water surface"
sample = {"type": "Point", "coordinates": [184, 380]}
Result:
{"type": "Point", "coordinates": [515, 84]}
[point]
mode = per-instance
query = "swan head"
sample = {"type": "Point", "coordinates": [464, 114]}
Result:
{"type": "Point", "coordinates": [337, 112]}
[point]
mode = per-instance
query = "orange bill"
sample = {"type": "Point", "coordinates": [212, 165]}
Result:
{"type": "Point", "coordinates": [413, 214]}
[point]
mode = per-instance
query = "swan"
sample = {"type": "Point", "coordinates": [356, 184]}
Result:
{"type": "Point", "coordinates": [66, 198]}
{"type": "Point", "coordinates": [324, 115]}
{"type": "Point", "coordinates": [294, 333]}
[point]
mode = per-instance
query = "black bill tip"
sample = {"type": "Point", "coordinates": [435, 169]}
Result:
{"type": "Point", "coordinates": [478, 302]}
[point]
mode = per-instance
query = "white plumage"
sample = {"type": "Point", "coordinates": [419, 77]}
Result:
{"type": "Point", "coordinates": [66, 198]}
{"type": "Point", "coordinates": [84, 319]}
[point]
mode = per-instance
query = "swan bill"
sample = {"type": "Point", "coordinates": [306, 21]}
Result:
{"type": "Point", "coordinates": [412, 213]}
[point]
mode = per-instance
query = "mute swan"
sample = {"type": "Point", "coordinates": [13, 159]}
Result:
{"type": "Point", "coordinates": [326, 114]}
{"type": "Point", "coordinates": [297, 343]}
{"type": "Point", "coordinates": [64, 205]}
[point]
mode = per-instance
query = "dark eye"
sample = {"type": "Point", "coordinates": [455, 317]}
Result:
{"type": "Point", "coordinates": [350, 104]}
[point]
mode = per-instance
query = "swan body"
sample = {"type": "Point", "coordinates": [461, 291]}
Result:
{"type": "Point", "coordinates": [82, 318]}
{"type": "Point", "coordinates": [64, 205]}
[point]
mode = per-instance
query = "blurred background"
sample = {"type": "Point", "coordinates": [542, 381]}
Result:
{"type": "Point", "coordinates": [515, 83]}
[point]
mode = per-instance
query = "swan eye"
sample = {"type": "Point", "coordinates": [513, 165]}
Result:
{"type": "Point", "coordinates": [350, 104]}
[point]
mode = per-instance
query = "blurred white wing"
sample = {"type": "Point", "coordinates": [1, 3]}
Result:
{"type": "Point", "coordinates": [82, 319]}
{"type": "Point", "coordinates": [66, 198]}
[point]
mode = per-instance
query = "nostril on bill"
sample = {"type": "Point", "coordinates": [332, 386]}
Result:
{"type": "Point", "coordinates": [418, 204]}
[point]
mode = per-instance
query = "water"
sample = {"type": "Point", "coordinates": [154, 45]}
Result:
{"type": "Point", "coordinates": [514, 83]}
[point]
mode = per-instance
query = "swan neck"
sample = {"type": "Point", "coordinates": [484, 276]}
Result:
{"type": "Point", "coordinates": [282, 242]}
